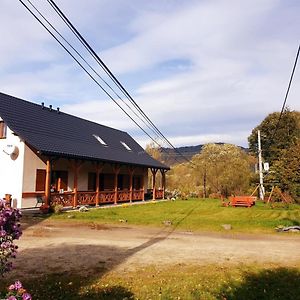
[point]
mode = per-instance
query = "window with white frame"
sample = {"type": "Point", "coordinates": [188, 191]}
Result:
{"type": "Point", "coordinates": [98, 138]}
{"type": "Point", "coordinates": [126, 146]}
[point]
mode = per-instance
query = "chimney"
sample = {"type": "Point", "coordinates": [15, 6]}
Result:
{"type": "Point", "coordinates": [50, 107]}
{"type": "Point", "coordinates": [43, 105]}
{"type": "Point", "coordinates": [58, 111]}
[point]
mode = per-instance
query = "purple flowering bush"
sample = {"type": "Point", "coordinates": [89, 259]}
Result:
{"type": "Point", "coordinates": [17, 292]}
{"type": "Point", "coordinates": [9, 231]}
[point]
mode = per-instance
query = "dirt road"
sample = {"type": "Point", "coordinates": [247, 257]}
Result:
{"type": "Point", "coordinates": [63, 247]}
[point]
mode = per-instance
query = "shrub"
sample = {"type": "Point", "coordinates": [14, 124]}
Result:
{"type": "Point", "coordinates": [9, 231]}
{"type": "Point", "coordinates": [17, 292]}
{"type": "Point", "coordinates": [57, 209]}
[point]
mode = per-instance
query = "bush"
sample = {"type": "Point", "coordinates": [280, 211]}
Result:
{"type": "Point", "coordinates": [9, 231]}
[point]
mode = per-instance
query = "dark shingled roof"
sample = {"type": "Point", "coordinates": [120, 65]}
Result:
{"type": "Point", "coordinates": [61, 134]}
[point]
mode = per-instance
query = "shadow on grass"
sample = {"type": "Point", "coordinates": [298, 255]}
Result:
{"type": "Point", "coordinates": [68, 272]}
{"type": "Point", "coordinates": [270, 284]}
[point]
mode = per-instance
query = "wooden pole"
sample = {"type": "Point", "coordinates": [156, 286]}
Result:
{"type": "Point", "coordinates": [131, 171]}
{"type": "Point", "coordinates": [154, 171]}
{"type": "Point", "coordinates": [99, 168]}
{"type": "Point", "coordinates": [163, 181]}
{"type": "Point", "coordinates": [255, 190]}
{"type": "Point", "coordinates": [48, 182]}
{"type": "Point", "coordinates": [75, 189]}
{"type": "Point", "coordinates": [117, 171]}
{"type": "Point", "coordinates": [270, 196]}
{"type": "Point", "coordinates": [143, 183]}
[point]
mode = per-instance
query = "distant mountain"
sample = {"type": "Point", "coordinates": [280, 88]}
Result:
{"type": "Point", "coordinates": [171, 157]}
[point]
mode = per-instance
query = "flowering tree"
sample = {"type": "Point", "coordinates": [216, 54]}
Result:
{"type": "Point", "coordinates": [9, 231]}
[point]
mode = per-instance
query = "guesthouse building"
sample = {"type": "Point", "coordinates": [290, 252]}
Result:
{"type": "Point", "coordinates": [68, 160]}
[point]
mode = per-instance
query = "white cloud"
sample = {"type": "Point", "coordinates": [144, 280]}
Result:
{"type": "Point", "coordinates": [229, 63]}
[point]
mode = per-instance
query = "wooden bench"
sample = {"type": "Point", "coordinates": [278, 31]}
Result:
{"type": "Point", "coordinates": [246, 201]}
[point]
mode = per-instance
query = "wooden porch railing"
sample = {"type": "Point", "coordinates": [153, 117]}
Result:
{"type": "Point", "coordinates": [65, 199]}
{"type": "Point", "coordinates": [89, 198]}
{"type": "Point", "coordinates": [159, 194]}
{"type": "Point", "coordinates": [137, 194]}
{"type": "Point", "coordinates": [106, 197]}
{"type": "Point", "coordinates": [86, 198]}
{"type": "Point", "coordinates": [123, 196]}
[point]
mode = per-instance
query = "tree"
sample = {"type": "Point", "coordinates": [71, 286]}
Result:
{"type": "Point", "coordinates": [222, 169]}
{"type": "Point", "coordinates": [286, 135]}
{"type": "Point", "coordinates": [286, 171]}
{"type": "Point", "coordinates": [154, 151]}
{"type": "Point", "coordinates": [225, 169]}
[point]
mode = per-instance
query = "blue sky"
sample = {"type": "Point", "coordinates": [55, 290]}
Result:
{"type": "Point", "coordinates": [204, 71]}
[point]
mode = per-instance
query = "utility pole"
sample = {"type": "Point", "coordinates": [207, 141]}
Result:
{"type": "Point", "coordinates": [204, 182]}
{"type": "Point", "coordinates": [260, 168]}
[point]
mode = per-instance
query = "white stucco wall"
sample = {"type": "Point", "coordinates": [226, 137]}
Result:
{"type": "Point", "coordinates": [11, 168]}
{"type": "Point", "coordinates": [31, 163]}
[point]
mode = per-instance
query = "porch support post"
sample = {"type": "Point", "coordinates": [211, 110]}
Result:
{"type": "Point", "coordinates": [131, 171]}
{"type": "Point", "coordinates": [154, 171]}
{"type": "Point", "coordinates": [163, 181]}
{"type": "Point", "coordinates": [48, 182]}
{"type": "Point", "coordinates": [117, 171]}
{"type": "Point", "coordinates": [76, 166]}
{"type": "Point", "coordinates": [75, 189]}
{"type": "Point", "coordinates": [99, 168]}
{"type": "Point", "coordinates": [143, 183]}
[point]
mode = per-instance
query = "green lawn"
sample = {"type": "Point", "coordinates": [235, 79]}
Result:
{"type": "Point", "coordinates": [185, 282]}
{"type": "Point", "coordinates": [194, 214]}
{"type": "Point", "coordinates": [180, 281]}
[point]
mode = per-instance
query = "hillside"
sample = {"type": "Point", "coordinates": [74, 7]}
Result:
{"type": "Point", "coordinates": [171, 157]}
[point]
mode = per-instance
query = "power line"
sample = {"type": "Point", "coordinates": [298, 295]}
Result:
{"type": "Point", "coordinates": [86, 71]}
{"type": "Point", "coordinates": [286, 96]}
{"type": "Point", "coordinates": [80, 64]}
{"type": "Point", "coordinates": [102, 79]}
{"type": "Point", "coordinates": [108, 72]}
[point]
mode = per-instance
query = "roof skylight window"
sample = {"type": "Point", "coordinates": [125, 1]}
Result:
{"type": "Point", "coordinates": [126, 146]}
{"type": "Point", "coordinates": [98, 138]}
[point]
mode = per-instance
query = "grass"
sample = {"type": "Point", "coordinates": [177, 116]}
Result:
{"type": "Point", "coordinates": [179, 281]}
{"type": "Point", "coordinates": [195, 215]}
{"type": "Point", "coordinates": [187, 282]}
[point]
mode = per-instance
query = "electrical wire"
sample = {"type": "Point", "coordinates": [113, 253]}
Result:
{"type": "Point", "coordinates": [81, 65]}
{"type": "Point", "coordinates": [102, 79]}
{"type": "Point", "coordinates": [108, 72]}
{"type": "Point", "coordinates": [285, 98]}
{"type": "Point", "coordinates": [86, 71]}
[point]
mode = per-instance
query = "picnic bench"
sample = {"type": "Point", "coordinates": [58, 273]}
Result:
{"type": "Point", "coordinates": [246, 201]}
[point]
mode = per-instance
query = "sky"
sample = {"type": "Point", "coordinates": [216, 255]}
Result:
{"type": "Point", "coordinates": [203, 71]}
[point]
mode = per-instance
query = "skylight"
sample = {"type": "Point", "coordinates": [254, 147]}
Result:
{"type": "Point", "coordinates": [98, 138]}
{"type": "Point", "coordinates": [126, 146]}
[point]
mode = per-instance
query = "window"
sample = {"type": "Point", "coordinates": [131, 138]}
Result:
{"type": "Point", "coordinates": [3, 130]}
{"type": "Point", "coordinates": [98, 138]}
{"type": "Point", "coordinates": [126, 146]}
{"type": "Point", "coordinates": [40, 180]}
